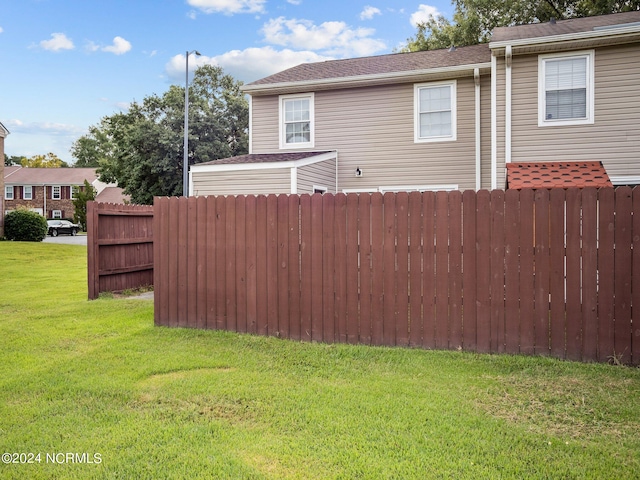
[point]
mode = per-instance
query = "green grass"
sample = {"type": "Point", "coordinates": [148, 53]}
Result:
{"type": "Point", "coordinates": [98, 378]}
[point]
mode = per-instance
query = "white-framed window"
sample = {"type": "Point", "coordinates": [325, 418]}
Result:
{"type": "Point", "coordinates": [297, 121]}
{"type": "Point", "coordinates": [27, 192]}
{"type": "Point", "coordinates": [56, 214]}
{"type": "Point", "coordinates": [566, 88]}
{"type": "Point", "coordinates": [435, 112]}
{"type": "Point", "coordinates": [8, 192]}
{"type": "Point", "coordinates": [73, 189]}
{"type": "Point", "coordinates": [320, 189]}
{"type": "Point", "coordinates": [55, 192]}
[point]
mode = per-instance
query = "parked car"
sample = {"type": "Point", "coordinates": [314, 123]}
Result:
{"type": "Point", "coordinates": [57, 227]}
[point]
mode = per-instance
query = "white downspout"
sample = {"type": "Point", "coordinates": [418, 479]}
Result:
{"type": "Point", "coordinates": [507, 105]}
{"type": "Point", "coordinates": [476, 79]}
{"type": "Point", "coordinates": [494, 132]}
{"type": "Point", "coordinates": [250, 124]}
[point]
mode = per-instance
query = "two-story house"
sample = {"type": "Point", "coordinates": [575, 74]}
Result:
{"type": "Point", "coordinates": [50, 191]}
{"type": "Point", "coordinates": [555, 94]}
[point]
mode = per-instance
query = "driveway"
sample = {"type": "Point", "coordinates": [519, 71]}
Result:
{"type": "Point", "coordinates": [68, 239]}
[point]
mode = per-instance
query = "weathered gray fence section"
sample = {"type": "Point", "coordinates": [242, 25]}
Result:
{"type": "Point", "coordinates": [531, 272]}
{"type": "Point", "coordinates": [119, 247]}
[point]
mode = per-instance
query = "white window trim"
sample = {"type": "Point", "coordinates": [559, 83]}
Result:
{"type": "Point", "coordinates": [283, 133]}
{"type": "Point", "coordinates": [418, 188]}
{"type": "Point", "coordinates": [416, 112]}
{"type": "Point", "coordinates": [7, 189]}
{"type": "Point", "coordinates": [24, 192]}
{"type": "Point", "coordinates": [72, 191]}
{"type": "Point", "coordinates": [56, 214]}
{"type": "Point", "coordinates": [319, 188]}
{"type": "Point", "coordinates": [542, 121]}
{"type": "Point", "coordinates": [53, 194]}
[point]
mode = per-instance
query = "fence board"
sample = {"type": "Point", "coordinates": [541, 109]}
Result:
{"type": "Point", "coordinates": [635, 279]}
{"type": "Point", "coordinates": [527, 322]}
{"type": "Point", "coordinates": [366, 256]}
{"type": "Point", "coordinates": [201, 265]}
{"type": "Point", "coordinates": [192, 264]}
{"type": "Point", "coordinates": [428, 265]}
{"type": "Point", "coordinates": [497, 271]}
{"type": "Point", "coordinates": [483, 282]}
{"type": "Point", "coordinates": [352, 262]}
{"type": "Point", "coordinates": [183, 273]}
{"type": "Point", "coordinates": [574, 312]}
{"type": "Point", "coordinates": [283, 266]}
{"type": "Point", "coordinates": [161, 266]}
{"type": "Point", "coordinates": [512, 271]}
{"type": "Point", "coordinates": [261, 266]}
{"type": "Point", "coordinates": [415, 266]}
{"type": "Point", "coordinates": [557, 273]}
{"type": "Point", "coordinates": [441, 339]}
{"type": "Point", "coordinates": [541, 280]}
{"type": "Point", "coordinates": [328, 263]}
{"type": "Point", "coordinates": [469, 270]}
{"type": "Point", "coordinates": [589, 275]}
{"type": "Point", "coordinates": [340, 268]}
{"type": "Point", "coordinates": [173, 266]}
{"type": "Point", "coordinates": [389, 274]}
{"type": "Point", "coordinates": [272, 265]}
{"type": "Point", "coordinates": [241, 264]}
{"type": "Point", "coordinates": [316, 267]}
{"type": "Point", "coordinates": [306, 268]}
{"type": "Point", "coordinates": [377, 292]}
{"type": "Point", "coordinates": [455, 270]}
{"type": "Point", "coordinates": [221, 263]}
{"type": "Point", "coordinates": [606, 274]}
{"type": "Point", "coordinates": [294, 267]}
{"type": "Point", "coordinates": [622, 269]}
{"type": "Point", "coordinates": [402, 269]}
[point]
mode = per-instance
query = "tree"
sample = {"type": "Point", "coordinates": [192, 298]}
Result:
{"type": "Point", "coordinates": [82, 196]}
{"type": "Point", "coordinates": [142, 150]}
{"type": "Point", "coordinates": [13, 160]}
{"type": "Point", "coordinates": [474, 20]}
{"type": "Point", "coordinates": [49, 160]}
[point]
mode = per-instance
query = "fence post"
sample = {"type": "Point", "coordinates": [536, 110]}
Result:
{"type": "Point", "coordinates": [92, 250]}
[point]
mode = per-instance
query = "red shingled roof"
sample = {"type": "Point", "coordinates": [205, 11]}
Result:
{"type": "Point", "coordinates": [556, 175]}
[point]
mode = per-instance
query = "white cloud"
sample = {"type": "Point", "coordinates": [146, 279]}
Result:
{"type": "Point", "coordinates": [59, 41]}
{"type": "Point", "coordinates": [294, 2]}
{"type": "Point", "coordinates": [246, 65]}
{"type": "Point", "coordinates": [43, 128]}
{"type": "Point", "coordinates": [423, 14]}
{"type": "Point", "coordinates": [369, 12]}
{"type": "Point", "coordinates": [228, 7]}
{"type": "Point", "coordinates": [332, 38]}
{"type": "Point", "coordinates": [120, 46]}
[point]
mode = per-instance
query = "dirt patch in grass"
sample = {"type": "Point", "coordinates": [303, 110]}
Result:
{"type": "Point", "coordinates": [565, 406]}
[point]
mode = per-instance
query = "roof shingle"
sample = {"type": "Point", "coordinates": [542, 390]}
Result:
{"type": "Point", "coordinates": [556, 175]}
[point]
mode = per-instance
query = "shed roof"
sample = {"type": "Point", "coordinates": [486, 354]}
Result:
{"type": "Point", "coordinates": [556, 175]}
{"type": "Point", "coordinates": [264, 158]}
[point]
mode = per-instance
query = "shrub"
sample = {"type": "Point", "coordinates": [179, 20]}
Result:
{"type": "Point", "coordinates": [25, 226]}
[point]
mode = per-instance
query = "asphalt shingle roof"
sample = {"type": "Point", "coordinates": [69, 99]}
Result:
{"type": "Point", "coordinates": [556, 175]}
{"type": "Point", "coordinates": [264, 158]}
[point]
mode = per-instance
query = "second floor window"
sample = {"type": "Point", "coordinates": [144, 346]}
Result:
{"type": "Point", "coordinates": [55, 192]}
{"type": "Point", "coordinates": [296, 114]}
{"type": "Point", "coordinates": [435, 112]}
{"type": "Point", "coordinates": [27, 192]}
{"type": "Point", "coordinates": [8, 192]}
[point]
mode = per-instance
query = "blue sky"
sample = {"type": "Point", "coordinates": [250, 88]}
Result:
{"type": "Point", "coordinates": [67, 63]}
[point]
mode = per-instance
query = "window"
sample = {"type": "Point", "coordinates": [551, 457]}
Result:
{"type": "Point", "coordinates": [73, 190]}
{"type": "Point", "coordinates": [435, 112]}
{"type": "Point", "coordinates": [27, 192]}
{"type": "Point", "coordinates": [320, 189]}
{"type": "Point", "coordinates": [56, 214]}
{"type": "Point", "coordinates": [565, 89]}
{"type": "Point", "coordinates": [296, 121]}
{"type": "Point", "coordinates": [55, 192]}
{"type": "Point", "coordinates": [8, 192]}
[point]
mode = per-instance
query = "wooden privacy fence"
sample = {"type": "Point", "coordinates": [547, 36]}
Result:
{"type": "Point", "coordinates": [119, 247]}
{"type": "Point", "coordinates": [532, 272]}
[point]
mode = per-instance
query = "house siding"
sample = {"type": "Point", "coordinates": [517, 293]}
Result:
{"type": "Point", "coordinates": [372, 128]}
{"type": "Point", "coordinates": [320, 174]}
{"type": "Point", "coordinates": [613, 138]}
{"type": "Point", "coordinates": [242, 182]}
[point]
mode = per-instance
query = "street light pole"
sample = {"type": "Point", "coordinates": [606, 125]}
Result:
{"type": "Point", "coordinates": [185, 154]}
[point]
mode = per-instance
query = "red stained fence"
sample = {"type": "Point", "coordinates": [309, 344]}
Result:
{"type": "Point", "coordinates": [119, 247]}
{"type": "Point", "coordinates": [532, 272]}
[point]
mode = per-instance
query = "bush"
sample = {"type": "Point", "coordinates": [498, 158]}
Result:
{"type": "Point", "coordinates": [25, 226]}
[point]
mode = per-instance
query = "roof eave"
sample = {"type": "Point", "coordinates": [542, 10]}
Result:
{"type": "Point", "coordinates": [227, 167]}
{"type": "Point", "coordinates": [367, 80]}
{"type": "Point", "coordinates": [620, 35]}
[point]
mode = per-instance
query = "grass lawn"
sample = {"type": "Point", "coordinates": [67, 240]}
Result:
{"type": "Point", "coordinates": [97, 378]}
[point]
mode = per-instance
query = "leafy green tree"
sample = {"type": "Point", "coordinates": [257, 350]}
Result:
{"type": "Point", "coordinates": [81, 197]}
{"type": "Point", "coordinates": [14, 160]}
{"type": "Point", "coordinates": [142, 150]}
{"type": "Point", "coordinates": [50, 160]}
{"type": "Point", "coordinates": [474, 20]}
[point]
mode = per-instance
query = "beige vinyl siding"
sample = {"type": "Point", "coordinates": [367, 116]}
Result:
{"type": "Point", "coordinates": [319, 174]}
{"type": "Point", "coordinates": [245, 182]}
{"type": "Point", "coordinates": [372, 128]}
{"type": "Point", "coordinates": [613, 138]}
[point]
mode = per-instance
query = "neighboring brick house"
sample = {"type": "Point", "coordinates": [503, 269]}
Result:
{"type": "Point", "coordinates": [50, 191]}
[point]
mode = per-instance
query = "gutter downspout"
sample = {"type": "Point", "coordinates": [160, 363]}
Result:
{"type": "Point", "coordinates": [508, 58]}
{"type": "Point", "coordinates": [250, 124]}
{"type": "Point", "coordinates": [494, 133]}
{"type": "Point", "coordinates": [476, 79]}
